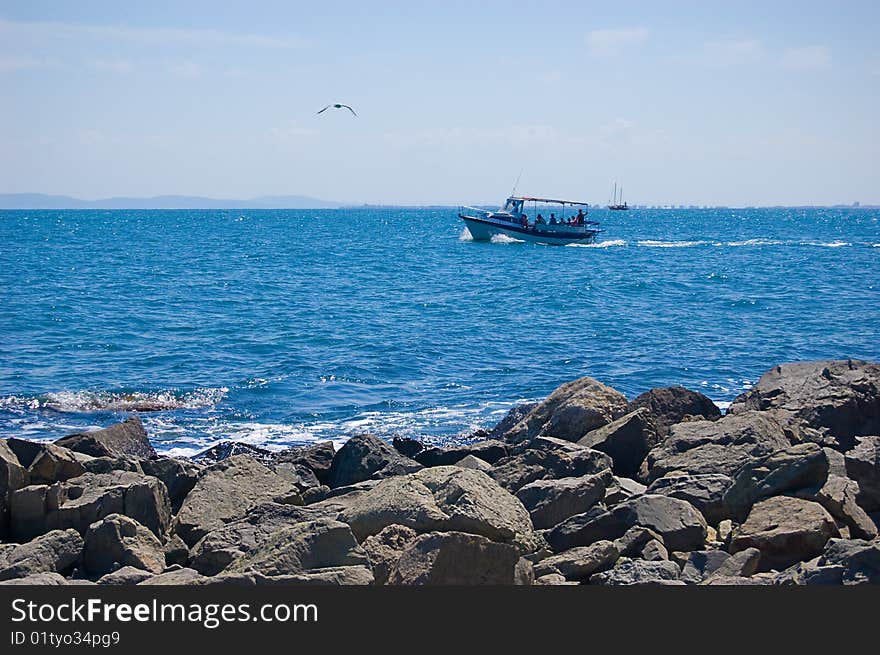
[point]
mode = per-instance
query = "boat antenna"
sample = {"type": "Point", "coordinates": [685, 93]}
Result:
{"type": "Point", "coordinates": [516, 184]}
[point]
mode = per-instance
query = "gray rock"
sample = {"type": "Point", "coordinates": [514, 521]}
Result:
{"type": "Point", "coordinates": [364, 457]}
{"type": "Point", "coordinates": [838, 496]}
{"type": "Point", "coordinates": [224, 492]}
{"type": "Point", "coordinates": [490, 451]}
{"type": "Point", "coordinates": [175, 577]}
{"type": "Point", "coordinates": [330, 576]}
{"type": "Point", "coordinates": [42, 579]}
{"type": "Point", "coordinates": [795, 467]}
{"type": "Point", "coordinates": [633, 541]}
{"type": "Point", "coordinates": [385, 548]}
{"type": "Point", "coordinates": [626, 440]}
{"type": "Point", "coordinates": [317, 457]}
{"type": "Point", "coordinates": [317, 544]}
{"type": "Point", "coordinates": [110, 464]}
{"type": "Point", "coordinates": [118, 541]}
{"type": "Point", "coordinates": [736, 581]}
{"type": "Point", "coordinates": [57, 551]}
{"type": "Point", "coordinates": [863, 466]}
{"type": "Point", "coordinates": [722, 446]}
{"type": "Point", "coordinates": [127, 575]}
{"type": "Point", "coordinates": [703, 491]}
{"type": "Point", "coordinates": [553, 579]}
{"type": "Point", "coordinates": [786, 530]}
{"type": "Point", "coordinates": [702, 563]}
{"type": "Point", "coordinates": [858, 559]}
{"type": "Point", "coordinates": [524, 573]}
{"type": "Point", "coordinates": [12, 476]}
{"type": "Point", "coordinates": [667, 406]}
{"type": "Point", "coordinates": [513, 416]}
{"type": "Point", "coordinates": [126, 438]}
{"type": "Point", "coordinates": [581, 562]}
{"type": "Point", "coordinates": [442, 498]}
{"type": "Point", "coordinates": [546, 458]}
{"type": "Point", "coordinates": [178, 475]}
{"type": "Point", "coordinates": [570, 412]}
{"type": "Point", "coordinates": [474, 463]}
{"type": "Point", "coordinates": [80, 501]}
{"type": "Point", "coordinates": [637, 572]}
{"type": "Point", "coordinates": [176, 551]}
{"type": "Point", "coordinates": [654, 551]}
{"type": "Point", "coordinates": [46, 463]}
{"type": "Point", "coordinates": [226, 449]}
{"type": "Point", "coordinates": [407, 446]}
{"type": "Point", "coordinates": [455, 558]}
{"type": "Point", "coordinates": [552, 501]}
{"type": "Point", "coordinates": [836, 400]}
{"type": "Point", "coordinates": [741, 564]}
{"type": "Point", "coordinates": [622, 489]}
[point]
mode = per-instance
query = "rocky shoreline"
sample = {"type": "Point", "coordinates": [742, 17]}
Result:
{"type": "Point", "coordinates": [585, 487]}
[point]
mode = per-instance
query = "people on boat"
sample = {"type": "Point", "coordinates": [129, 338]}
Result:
{"type": "Point", "coordinates": [525, 220]}
{"type": "Point", "coordinates": [579, 219]}
{"type": "Point", "coordinates": [539, 220]}
{"type": "Point", "coordinates": [552, 218]}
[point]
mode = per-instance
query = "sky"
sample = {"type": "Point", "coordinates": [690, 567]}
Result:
{"type": "Point", "coordinates": [707, 103]}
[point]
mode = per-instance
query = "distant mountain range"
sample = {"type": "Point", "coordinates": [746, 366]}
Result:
{"type": "Point", "coordinates": [45, 201]}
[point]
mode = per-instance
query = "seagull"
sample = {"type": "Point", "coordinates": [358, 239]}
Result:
{"type": "Point", "coordinates": [338, 106]}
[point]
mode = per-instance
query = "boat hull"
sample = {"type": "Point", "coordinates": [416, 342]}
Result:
{"type": "Point", "coordinates": [484, 230]}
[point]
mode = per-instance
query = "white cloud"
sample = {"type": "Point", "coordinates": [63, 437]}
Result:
{"type": "Point", "coordinates": [807, 58]}
{"type": "Point", "coordinates": [607, 43]}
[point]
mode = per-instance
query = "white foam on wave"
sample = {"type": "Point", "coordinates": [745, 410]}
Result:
{"type": "Point", "coordinates": [751, 242]}
{"type": "Point", "coordinates": [671, 244]}
{"type": "Point", "coordinates": [602, 244]}
{"type": "Point", "coordinates": [831, 244]}
{"type": "Point", "coordinates": [106, 401]}
{"type": "Point", "coordinates": [503, 238]}
{"type": "Point", "coordinates": [465, 235]}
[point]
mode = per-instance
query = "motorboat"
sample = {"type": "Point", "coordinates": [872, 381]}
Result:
{"type": "Point", "coordinates": [542, 226]}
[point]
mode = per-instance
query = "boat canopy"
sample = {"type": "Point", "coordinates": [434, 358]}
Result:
{"type": "Point", "coordinates": [549, 200]}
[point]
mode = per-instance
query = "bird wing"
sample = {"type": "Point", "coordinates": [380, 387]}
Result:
{"type": "Point", "coordinates": [324, 109]}
{"type": "Point", "coordinates": [349, 109]}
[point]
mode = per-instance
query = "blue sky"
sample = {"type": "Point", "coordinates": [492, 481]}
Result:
{"type": "Point", "coordinates": [682, 102]}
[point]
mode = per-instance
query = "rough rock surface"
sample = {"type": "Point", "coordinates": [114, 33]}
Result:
{"type": "Point", "coordinates": [839, 497]}
{"type": "Point", "coordinates": [365, 456]}
{"type": "Point", "coordinates": [454, 558]}
{"type": "Point", "coordinates": [318, 458]}
{"type": "Point", "coordinates": [570, 412]}
{"type": "Point", "coordinates": [667, 406]}
{"type": "Point", "coordinates": [489, 450]}
{"type": "Point", "coordinates": [704, 491]}
{"type": "Point", "coordinates": [552, 501]}
{"type": "Point", "coordinates": [126, 438]}
{"type": "Point", "coordinates": [178, 476]}
{"type": "Point", "coordinates": [46, 463]}
{"type": "Point", "coordinates": [637, 572]}
{"type": "Point", "coordinates": [56, 551]}
{"type": "Point", "coordinates": [117, 541]}
{"type": "Point", "coordinates": [626, 440]}
{"type": "Point", "coordinates": [863, 466]}
{"type": "Point", "coordinates": [548, 458]}
{"type": "Point", "coordinates": [581, 562]}
{"type": "Point", "coordinates": [385, 548]}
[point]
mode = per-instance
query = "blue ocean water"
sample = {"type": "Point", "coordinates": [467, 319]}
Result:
{"type": "Point", "coordinates": [283, 327]}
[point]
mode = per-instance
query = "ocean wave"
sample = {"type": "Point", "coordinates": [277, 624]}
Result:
{"type": "Point", "coordinates": [830, 244]}
{"type": "Point", "coordinates": [503, 238]}
{"type": "Point", "coordinates": [671, 244]}
{"type": "Point", "coordinates": [106, 401]}
{"type": "Point", "coordinates": [602, 244]}
{"type": "Point", "coordinates": [751, 242]}
{"type": "Point", "coordinates": [465, 235]}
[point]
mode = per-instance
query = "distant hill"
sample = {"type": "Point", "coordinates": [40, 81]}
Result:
{"type": "Point", "coordinates": [44, 201]}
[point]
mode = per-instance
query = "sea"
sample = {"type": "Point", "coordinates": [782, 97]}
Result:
{"type": "Point", "coordinates": [285, 327]}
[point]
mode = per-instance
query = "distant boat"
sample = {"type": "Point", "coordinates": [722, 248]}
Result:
{"type": "Point", "coordinates": [512, 221]}
{"type": "Point", "coordinates": [617, 202]}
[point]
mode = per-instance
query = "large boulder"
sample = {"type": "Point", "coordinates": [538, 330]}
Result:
{"type": "Point", "coordinates": [704, 491]}
{"type": "Point", "coordinates": [220, 547]}
{"type": "Point", "coordinates": [836, 400]}
{"type": "Point", "coordinates": [581, 562]}
{"type": "Point", "coordinates": [454, 558]}
{"type": "Point", "coordinates": [667, 406]}
{"type": "Point", "coordinates": [365, 456]}
{"type": "Point", "coordinates": [858, 560]}
{"type": "Point", "coordinates": [126, 438]}
{"type": "Point", "coordinates": [301, 547]}
{"type": "Point", "coordinates": [626, 440]}
{"type": "Point", "coordinates": [838, 495]}
{"type": "Point", "coordinates": [786, 530]}
{"type": "Point", "coordinates": [638, 572]}
{"type": "Point", "coordinates": [680, 525]}
{"type": "Point", "coordinates": [795, 467]}
{"type": "Point", "coordinates": [552, 501]}
{"type": "Point", "coordinates": [442, 498]}
{"type": "Point", "coordinates": [516, 414]}
{"type": "Point", "coordinates": [570, 412]}
{"type": "Point", "coordinates": [178, 475]}
{"type": "Point", "coordinates": [80, 501]}
{"type": "Point", "coordinates": [12, 476]}
{"type": "Point", "coordinates": [385, 548]}
{"type": "Point", "coordinates": [224, 492]}
{"type": "Point", "coordinates": [116, 541]}
{"type": "Point", "coordinates": [546, 458]}
{"type": "Point", "coordinates": [226, 449]}
{"type": "Point", "coordinates": [318, 458]}
{"type": "Point", "coordinates": [700, 564]}
{"type": "Point", "coordinates": [489, 451]}
{"type": "Point", "coordinates": [863, 466]}
{"type": "Point", "coordinates": [57, 551]}
{"type": "Point", "coordinates": [721, 446]}
{"type": "Point", "coordinates": [46, 463]}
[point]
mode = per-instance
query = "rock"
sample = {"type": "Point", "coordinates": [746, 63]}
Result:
{"type": "Point", "coordinates": [220, 547]}
{"type": "Point", "coordinates": [725, 529]}
{"type": "Point", "coordinates": [553, 579]}
{"type": "Point", "coordinates": [634, 540]}
{"type": "Point", "coordinates": [365, 456]}
{"type": "Point", "coordinates": [117, 541]}
{"type": "Point", "coordinates": [41, 579]}
{"type": "Point", "coordinates": [224, 492]}
{"type": "Point", "coordinates": [299, 476]}
{"type": "Point", "coordinates": [56, 551]}
{"type": "Point", "coordinates": [80, 501]}
{"type": "Point", "coordinates": [178, 476]}
{"type": "Point", "coordinates": [46, 463]}
{"type": "Point", "coordinates": [175, 577]}
{"type": "Point", "coordinates": [474, 463]}
{"type": "Point", "coordinates": [385, 548]}
{"type": "Point", "coordinates": [622, 489]}
{"type": "Point", "coordinates": [490, 451]}
{"type": "Point", "coordinates": [581, 562]}
{"type": "Point", "coordinates": [455, 558]}
{"type": "Point", "coordinates": [110, 464]}
{"type": "Point", "coordinates": [676, 521]}
{"type": "Point", "coordinates": [863, 466]}
{"type": "Point", "coordinates": [301, 547]}
{"type": "Point", "coordinates": [524, 573]}
{"type": "Point", "coordinates": [176, 551]}
{"type": "Point", "coordinates": [786, 530]}
{"type": "Point", "coordinates": [626, 440]}
{"type": "Point", "coordinates": [838, 496]}
{"type": "Point", "coordinates": [226, 449]}
{"type": "Point", "coordinates": [513, 416]}
{"type": "Point", "coordinates": [837, 400]}
{"type": "Point", "coordinates": [330, 576]}
{"type": "Point", "coordinates": [407, 446]}
{"type": "Point", "coordinates": [735, 581]}
{"type": "Point", "coordinates": [654, 551]}
{"type": "Point", "coordinates": [442, 498]}
{"type": "Point", "coordinates": [703, 491]}
{"type": "Point", "coordinates": [667, 406]}
{"type": "Point", "coordinates": [637, 572]}
{"type": "Point", "coordinates": [857, 559]}
{"type": "Point", "coordinates": [317, 457]}
{"type": "Point", "coordinates": [548, 458]}
{"type": "Point", "coordinates": [13, 476]}
{"type": "Point", "coordinates": [722, 446]}
{"type": "Point", "coordinates": [127, 575]}
{"type": "Point", "coordinates": [795, 467]}
{"type": "Point", "coordinates": [552, 501]}
{"type": "Point", "coordinates": [126, 438]}
{"type": "Point", "coordinates": [570, 412]}
{"type": "Point", "coordinates": [702, 563]}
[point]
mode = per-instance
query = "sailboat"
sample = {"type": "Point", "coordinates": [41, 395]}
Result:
{"type": "Point", "coordinates": [617, 201]}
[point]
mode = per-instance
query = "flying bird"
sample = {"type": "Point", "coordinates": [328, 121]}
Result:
{"type": "Point", "coordinates": [338, 106]}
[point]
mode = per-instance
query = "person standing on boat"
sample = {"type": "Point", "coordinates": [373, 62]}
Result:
{"type": "Point", "coordinates": [552, 218]}
{"type": "Point", "coordinates": [525, 220]}
{"type": "Point", "coordinates": [579, 219]}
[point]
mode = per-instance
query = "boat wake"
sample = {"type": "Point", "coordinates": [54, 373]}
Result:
{"type": "Point", "coordinates": [465, 235]}
{"type": "Point", "coordinates": [503, 238]}
{"type": "Point", "coordinates": [671, 244]}
{"type": "Point", "coordinates": [105, 401]}
{"type": "Point", "coordinates": [602, 244]}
